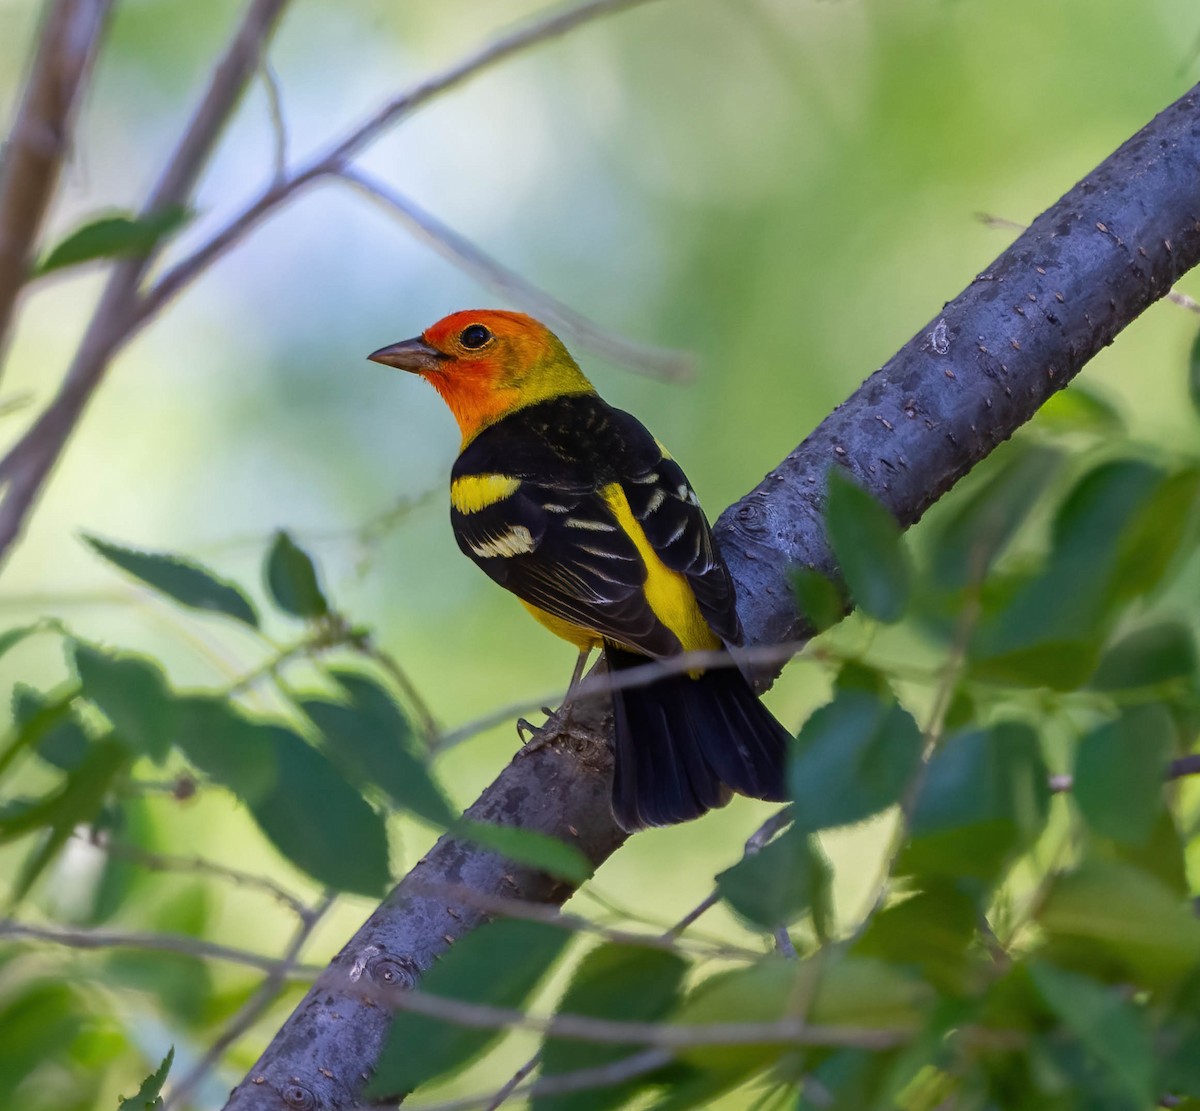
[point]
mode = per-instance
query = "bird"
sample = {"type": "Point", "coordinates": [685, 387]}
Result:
{"type": "Point", "coordinates": [573, 506]}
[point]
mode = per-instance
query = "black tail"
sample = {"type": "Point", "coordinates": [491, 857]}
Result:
{"type": "Point", "coordinates": [684, 744]}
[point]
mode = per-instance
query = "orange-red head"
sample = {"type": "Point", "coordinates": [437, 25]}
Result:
{"type": "Point", "coordinates": [486, 363]}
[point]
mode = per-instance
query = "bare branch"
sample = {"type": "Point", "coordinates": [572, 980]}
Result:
{"type": "Point", "coordinates": [600, 683]}
{"type": "Point", "coordinates": [41, 136]}
{"type": "Point", "coordinates": [24, 470]}
{"type": "Point", "coordinates": [337, 157]}
{"type": "Point", "coordinates": [270, 81]}
{"type": "Point", "coordinates": [250, 1011]}
{"type": "Point", "coordinates": [755, 843]}
{"type": "Point", "coordinates": [1178, 768]}
{"type": "Point", "coordinates": [83, 938]}
{"type": "Point", "coordinates": [498, 905]}
{"type": "Point", "coordinates": [656, 361]}
{"type": "Point", "coordinates": [197, 865]}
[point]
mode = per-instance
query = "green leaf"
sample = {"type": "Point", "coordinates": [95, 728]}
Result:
{"type": "Point", "coordinates": [1154, 537]}
{"type": "Point", "coordinates": [761, 992]}
{"type": "Point", "coordinates": [930, 931]}
{"type": "Point", "coordinates": [1179, 1042]}
{"type": "Point", "coordinates": [1078, 409]}
{"type": "Point", "coordinates": [841, 990]}
{"type": "Point", "coordinates": [529, 847]}
{"type": "Point", "coordinates": [317, 820]}
{"type": "Point", "coordinates": [226, 746]}
{"type": "Point", "coordinates": [1109, 911]}
{"type": "Point", "coordinates": [132, 693]}
{"type": "Point", "coordinates": [1147, 657]}
{"type": "Point", "coordinates": [77, 799]}
{"type": "Point", "coordinates": [985, 797]}
{"type": "Point", "coordinates": [64, 743]}
{"type": "Point", "coordinates": [860, 991]}
{"type": "Point", "coordinates": [852, 758]}
{"type": "Point", "coordinates": [185, 582]}
{"type": "Point", "coordinates": [624, 982]}
{"type": "Point", "coordinates": [77, 802]}
{"type": "Point", "coordinates": [29, 733]}
{"type": "Point", "coordinates": [968, 542]}
{"type": "Point", "coordinates": [10, 638]}
{"type": "Point", "coordinates": [818, 597]}
{"type": "Point", "coordinates": [780, 882]}
{"type": "Point", "coordinates": [371, 740]}
{"type": "Point", "coordinates": [292, 579]}
{"type": "Point", "coordinates": [1050, 631]}
{"type": "Point", "coordinates": [867, 544]}
{"type": "Point", "coordinates": [499, 964]}
{"type": "Point", "coordinates": [180, 984]}
{"type": "Point", "coordinates": [113, 237]}
{"type": "Point", "coordinates": [40, 1019]}
{"type": "Point", "coordinates": [1119, 770]}
{"type": "Point", "coordinates": [1112, 1030]}
{"type": "Point", "coordinates": [148, 1097]}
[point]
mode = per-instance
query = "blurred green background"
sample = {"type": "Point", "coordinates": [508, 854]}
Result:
{"type": "Point", "coordinates": [786, 189]}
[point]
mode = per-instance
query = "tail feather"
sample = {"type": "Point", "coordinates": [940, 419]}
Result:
{"type": "Point", "coordinates": [684, 744]}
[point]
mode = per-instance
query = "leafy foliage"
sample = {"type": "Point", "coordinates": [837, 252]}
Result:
{"type": "Point", "coordinates": [1005, 724]}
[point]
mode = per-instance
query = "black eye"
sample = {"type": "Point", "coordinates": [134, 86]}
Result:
{"type": "Point", "coordinates": [474, 336]}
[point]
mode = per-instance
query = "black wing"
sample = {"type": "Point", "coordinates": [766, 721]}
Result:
{"type": "Point", "coordinates": [554, 541]}
{"type": "Point", "coordinates": [563, 552]}
{"type": "Point", "coordinates": [663, 502]}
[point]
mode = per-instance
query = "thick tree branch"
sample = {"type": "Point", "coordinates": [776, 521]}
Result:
{"type": "Point", "coordinates": [40, 138]}
{"type": "Point", "coordinates": [1085, 269]}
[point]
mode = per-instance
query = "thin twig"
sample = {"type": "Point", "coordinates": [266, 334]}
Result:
{"type": "Point", "coordinates": [197, 865]}
{"type": "Point", "coordinates": [603, 1031]}
{"type": "Point", "coordinates": [80, 937]}
{"type": "Point", "coordinates": [579, 1080]}
{"type": "Point", "coordinates": [754, 843]}
{"type": "Point", "coordinates": [1178, 768]}
{"type": "Point", "coordinates": [467, 896]}
{"type": "Point", "coordinates": [429, 724]}
{"type": "Point", "coordinates": [337, 157]}
{"type": "Point", "coordinates": [932, 734]}
{"type": "Point", "coordinates": [660, 362]}
{"type": "Point", "coordinates": [250, 1011]}
{"type": "Point", "coordinates": [270, 81]}
{"type": "Point", "coordinates": [775, 824]}
{"type": "Point", "coordinates": [605, 682]}
{"type": "Point", "coordinates": [37, 145]}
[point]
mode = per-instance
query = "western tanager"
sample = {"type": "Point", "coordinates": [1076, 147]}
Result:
{"type": "Point", "coordinates": [574, 507]}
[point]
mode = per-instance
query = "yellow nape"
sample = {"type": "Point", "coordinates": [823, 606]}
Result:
{"type": "Point", "coordinates": [669, 593]}
{"type": "Point", "coordinates": [474, 492]}
{"type": "Point", "coordinates": [580, 637]}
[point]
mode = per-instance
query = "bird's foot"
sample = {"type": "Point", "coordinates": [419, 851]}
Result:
{"type": "Point", "coordinates": [559, 723]}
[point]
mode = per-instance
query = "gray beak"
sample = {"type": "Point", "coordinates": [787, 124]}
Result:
{"type": "Point", "coordinates": [411, 354]}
